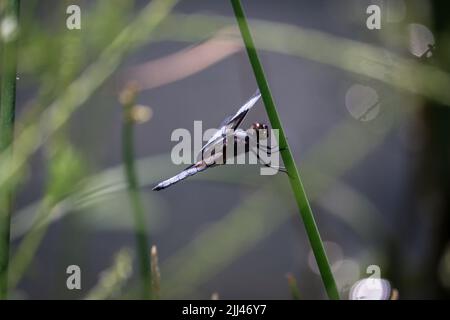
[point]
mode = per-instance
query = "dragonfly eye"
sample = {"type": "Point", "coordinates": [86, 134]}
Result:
{"type": "Point", "coordinates": [258, 126]}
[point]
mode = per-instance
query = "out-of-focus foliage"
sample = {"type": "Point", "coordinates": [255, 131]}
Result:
{"type": "Point", "coordinates": [61, 71]}
{"type": "Point", "coordinates": [113, 280]}
{"type": "Point", "coordinates": [66, 168]}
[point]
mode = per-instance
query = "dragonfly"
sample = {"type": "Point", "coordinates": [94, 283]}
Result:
{"type": "Point", "coordinates": [214, 151]}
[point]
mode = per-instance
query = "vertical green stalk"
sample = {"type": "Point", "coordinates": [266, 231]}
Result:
{"type": "Point", "coordinates": [296, 183]}
{"type": "Point", "coordinates": [25, 251]}
{"type": "Point", "coordinates": [143, 251]}
{"type": "Point", "coordinates": [7, 111]}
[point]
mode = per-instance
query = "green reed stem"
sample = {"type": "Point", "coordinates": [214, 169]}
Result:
{"type": "Point", "coordinates": [143, 250]}
{"type": "Point", "coordinates": [7, 112]}
{"type": "Point", "coordinates": [26, 250]}
{"type": "Point", "coordinates": [296, 183]}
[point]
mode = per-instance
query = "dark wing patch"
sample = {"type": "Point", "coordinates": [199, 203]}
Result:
{"type": "Point", "coordinates": [232, 122]}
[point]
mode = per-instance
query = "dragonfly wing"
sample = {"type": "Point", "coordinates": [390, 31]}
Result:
{"type": "Point", "coordinates": [236, 120]}
{"type": "Point", "coordinates": [231, 122]}
{"type": "Point", "coordinates": [218, 136]}
{"type": "Point", "coordinates": [226, 121]}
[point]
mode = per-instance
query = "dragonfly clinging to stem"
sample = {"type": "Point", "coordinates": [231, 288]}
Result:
{"type": "Point", "coordinates": [227, 132]}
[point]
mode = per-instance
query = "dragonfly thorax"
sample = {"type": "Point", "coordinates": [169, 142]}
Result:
{"type": "Point", "coordinates": [261, 130]}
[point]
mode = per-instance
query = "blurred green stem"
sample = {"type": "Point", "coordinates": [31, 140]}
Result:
{"type": "Point", "coordinates": [7, 111]}
{"type": "Point", "coordinates": [136, 202]}
{"type": "Point", "coordinates": [296, 183]}
{"type": "Point", "coordinates": [30, 243]}
{"type": "Point", "coordinates": [57, 114]}
{"type": "Point", "coordinates": [64, 171]}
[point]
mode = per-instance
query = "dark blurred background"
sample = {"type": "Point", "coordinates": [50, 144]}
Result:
{"type": "Point", "coordinates": [378, 179]}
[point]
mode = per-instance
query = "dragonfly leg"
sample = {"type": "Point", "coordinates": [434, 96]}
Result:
{"type": "Point", "coordinates": [266, 148]}
{"type": "Point", "coordinates": [279, 168]}
{"type": "Point", "coordinates": [269, 150]}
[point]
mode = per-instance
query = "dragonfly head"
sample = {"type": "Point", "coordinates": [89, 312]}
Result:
{"type": "Point", "coordinates": [262, 129]}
